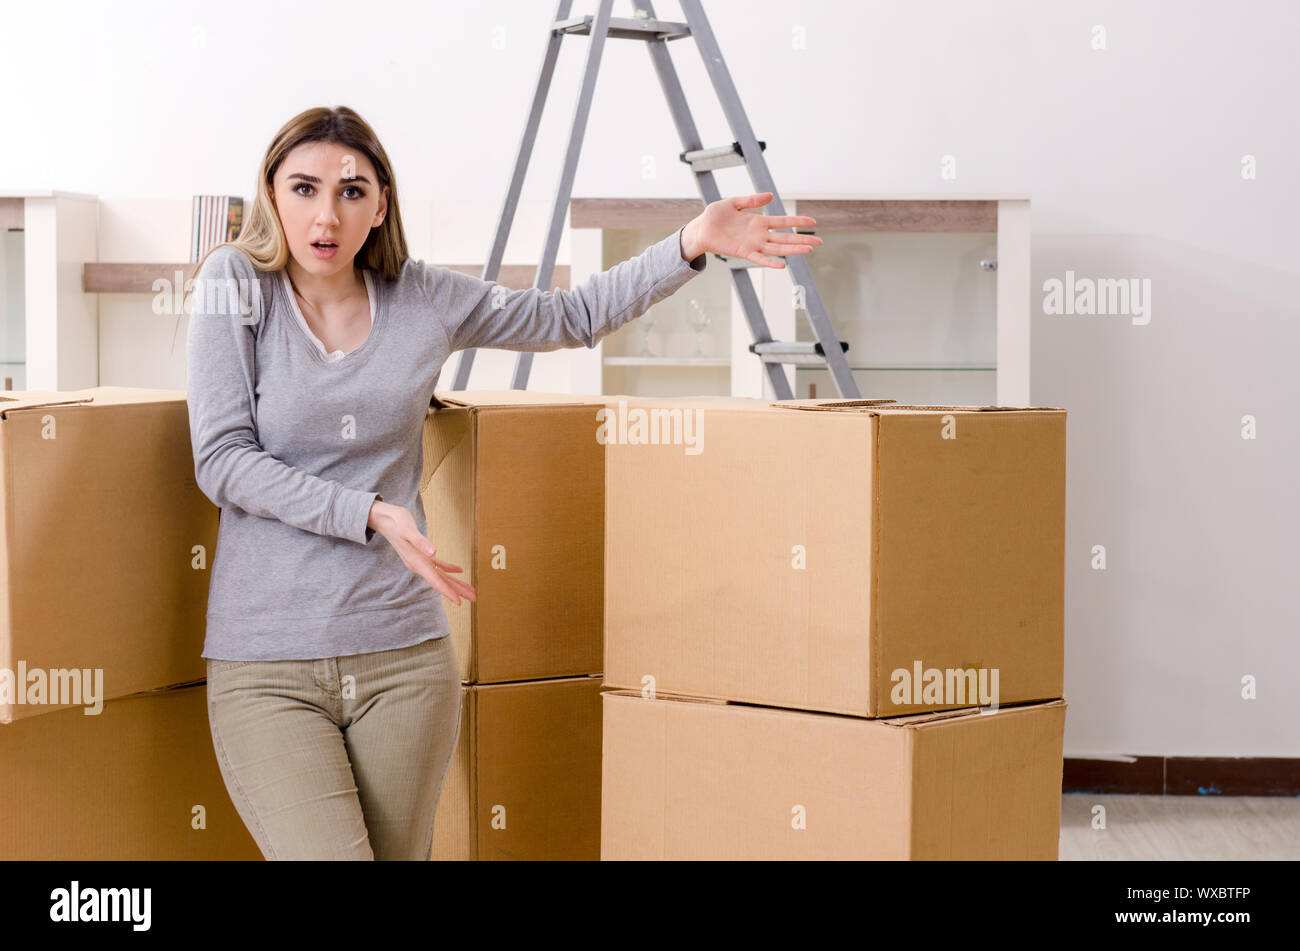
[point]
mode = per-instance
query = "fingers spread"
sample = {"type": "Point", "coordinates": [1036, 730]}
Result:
{"type": "Point", "coordinates": [786, 237]}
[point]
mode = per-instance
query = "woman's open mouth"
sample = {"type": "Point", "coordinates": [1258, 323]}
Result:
{"type": "Point", "coordinates": [324, 249]}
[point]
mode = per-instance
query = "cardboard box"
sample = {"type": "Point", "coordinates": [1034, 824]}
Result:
{"type": "Point", "coordinates": [513, 490]}
{"type": "Point", "coordinates": [524, 782]}
{"type": "Point", "coordinates": [106, 542]}
{"type": "Point", "coordinates": [139, 780]}
{"type": "Point", "coordinates": [835, 555]}
{"type": "Point", "coordinates": [685, 778]}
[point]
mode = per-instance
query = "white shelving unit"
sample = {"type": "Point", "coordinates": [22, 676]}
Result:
{"type": "Point", "coordinates": [49, 326]}
{"type": "Point", "coordinates": [902, 279]}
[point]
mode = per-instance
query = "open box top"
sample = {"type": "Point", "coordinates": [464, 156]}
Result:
{"type": "Point", "coordinates": [912, 720]}
{"type": "Point", "coordinates": [98, 395]}
{"type": "Point", "coordinates": [482, 399]}
{"type": "Point", "coordinates": [875, 407]}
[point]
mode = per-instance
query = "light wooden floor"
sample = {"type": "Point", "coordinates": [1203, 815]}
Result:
{"type": "Point", "coordinates": [1180, 827]}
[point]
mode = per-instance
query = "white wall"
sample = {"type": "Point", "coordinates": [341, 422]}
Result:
{"type": "Point", "coordinates": [1132, 155]}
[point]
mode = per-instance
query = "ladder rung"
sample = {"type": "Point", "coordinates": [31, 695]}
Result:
{"type": "Point", "coordinates": [723, 156]}
{"type": "Point", "coordinates": [789, 352]}
{"type": "Point", "coordinates": [625, 28]}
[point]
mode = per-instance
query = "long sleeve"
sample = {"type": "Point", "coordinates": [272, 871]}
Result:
{"type": "Point", "coordinates": [230, 466]}
{"type": "Point", "coordinates": [476, 313]}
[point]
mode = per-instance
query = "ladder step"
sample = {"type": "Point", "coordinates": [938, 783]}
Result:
{"type": "Point", "coordinates": [625, 28]}
{"type": "Point", "coordinates": [724, 156]}
{"type": "Point", "coordinates": [792, 352]}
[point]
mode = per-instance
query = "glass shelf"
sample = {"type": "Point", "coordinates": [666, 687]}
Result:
{"type": "Point", "coordinates": [928, 366]}
{"type": "Point", "coordinates": [920, 301]}
{"type": "Point", "coordinates": [667, 361]}
{"type": "Point", "coordinates": [967, 385]}
{"type": "Point", "coordinates": [13, 303]}
{"type": "Point", "coordinates": [681, 345]}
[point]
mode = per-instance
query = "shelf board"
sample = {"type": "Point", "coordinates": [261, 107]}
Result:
{"type": "Point", "coordinates": [659, 214]}
{"type": "Point", "coordinates": [44, 193]}
{"type": "Point", "coordinates": [904, 215]}
{"type": "Point", "coordinates": [129, 278]}
{"type": "Point", "coordinates": [726, 361]}
{"type": "Point", "coordinates": [924, 214]}
{"type": "Point", "coordinates": [138, 278]}
{"type": "Point", "coordinates": [977, 367]}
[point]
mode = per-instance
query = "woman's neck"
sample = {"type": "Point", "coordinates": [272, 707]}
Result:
{"type": "Point", "coordinates": [328, 292]}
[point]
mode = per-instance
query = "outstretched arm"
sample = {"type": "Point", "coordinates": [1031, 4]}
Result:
{"type": "Point", "coordinates": [476, 313]}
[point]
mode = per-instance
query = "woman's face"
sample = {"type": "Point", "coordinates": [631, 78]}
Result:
{"type": "Point", "coordinates": [327, 192]}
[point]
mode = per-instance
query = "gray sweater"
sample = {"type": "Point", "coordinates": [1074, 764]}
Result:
{"type": "Point", "coordinates": [294, 447]}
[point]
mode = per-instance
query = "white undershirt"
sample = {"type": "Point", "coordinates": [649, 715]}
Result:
{"type": "Point", "coordinates": [297, 313]}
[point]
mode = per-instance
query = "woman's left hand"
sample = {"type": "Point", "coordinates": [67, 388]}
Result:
{"type": "Point", "coordinates": [724, 227]}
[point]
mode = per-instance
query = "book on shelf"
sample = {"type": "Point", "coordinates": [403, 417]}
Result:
{"type": "Point", "coordinates": [217, 219]}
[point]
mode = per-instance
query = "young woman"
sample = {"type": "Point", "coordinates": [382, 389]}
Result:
{"type": "Point", "coordinates": [314, 347]}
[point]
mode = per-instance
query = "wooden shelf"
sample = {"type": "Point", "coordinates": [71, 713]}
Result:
{"type": "Point", "coordinates": [650, 214]}
{"type": "Point", "coordinates": [138, 278]}
{"type": "Point", "coordinates": [911, 213]}
{"type": "Point", "coordinates": [927, 217]}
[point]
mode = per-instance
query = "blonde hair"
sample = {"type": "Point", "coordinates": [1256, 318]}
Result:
{"type": "Point", "coordinates": [262, 237]}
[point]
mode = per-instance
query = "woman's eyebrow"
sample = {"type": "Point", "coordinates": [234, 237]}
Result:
{"type": "Point", "coordinates": [316, 181]}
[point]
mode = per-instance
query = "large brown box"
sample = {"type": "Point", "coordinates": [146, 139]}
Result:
{"type": "Point", "coordinates": [513, 489]}
{"type": "Point", "coordinates": [524, 782]}
{"type": "Point", "coordinates": [138, 780]}
{"type": "Point", "coordinates": [804, 553]}
{"type": "Point", "coordinates": [685, 778]}
{"type": "Point", "coordinates": [106, 542]}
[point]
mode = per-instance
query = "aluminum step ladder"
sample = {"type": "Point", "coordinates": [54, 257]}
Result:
{"type": "Point", "coordinates": [827, 351]}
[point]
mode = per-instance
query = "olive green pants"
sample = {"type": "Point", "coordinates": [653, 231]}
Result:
{"type": "Point", "coordinates": [341, 757]}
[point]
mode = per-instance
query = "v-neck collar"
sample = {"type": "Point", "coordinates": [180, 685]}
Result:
{"type": "Point", "coordinates": [378, 310]}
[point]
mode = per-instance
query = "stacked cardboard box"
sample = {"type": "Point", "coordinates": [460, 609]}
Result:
{"type": "Point", "coordinates": [513, 492]}
{"type": "Point", "coordinates": [105, 547]}
{"type": "Point", "coordinates": [835, 630]}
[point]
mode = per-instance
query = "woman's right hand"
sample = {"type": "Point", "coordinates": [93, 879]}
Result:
{"type": "Point", "coordinates": [396, 524]}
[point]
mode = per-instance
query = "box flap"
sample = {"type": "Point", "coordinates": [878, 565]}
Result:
{"type": "Point", "coordinates": [744, 403]}
{"type": "Point", "coordinates": [660, 695]}
{"type": "Point", "coordinates": [118, 395]}
{"type": "Point", "coordinates": [876, 406]}
{"type": "Point", "coordinates": [99, 395]}
{"type": "Point", "coordinates": [818, 403]}
{"type": "Point", "coordinates": [478, 399]}
{"type": "Point", "coordinates": [31, 399]}
{"type": "Point", "coordinates": [439, 441]}
{"type": "Point", "coordinates": [922, 719]}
